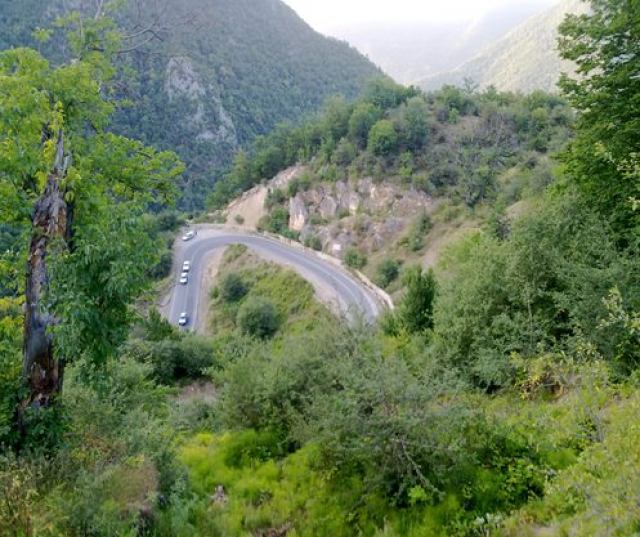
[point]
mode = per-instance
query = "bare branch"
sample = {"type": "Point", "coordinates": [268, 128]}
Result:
{"type": "Point", "coordinates": [99, 9]}
{"type": "Point", "coordinates": [142, 32]}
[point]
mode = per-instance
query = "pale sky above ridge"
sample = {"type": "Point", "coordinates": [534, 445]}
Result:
{"type": "Point", "coordinates": [325, 15]}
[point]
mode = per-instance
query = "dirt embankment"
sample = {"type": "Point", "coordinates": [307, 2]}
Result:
{"type": "Point", "coordinates": [247, 210]}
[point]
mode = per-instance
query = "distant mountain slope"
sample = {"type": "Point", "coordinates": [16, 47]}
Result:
{"type": "Point", "coordinates": [238, 68]}
{"type": "Point", "coordinates": [409, 52]}
{"type": "Point", "coordinates": [524, 60]}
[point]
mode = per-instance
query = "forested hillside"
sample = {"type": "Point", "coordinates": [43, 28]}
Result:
{"type": "Point", "coordinates": [206, 76]}
{"type": "Point", "coordinates": [499, 398]}
{"type": "Point", "coordinates": [394, 177]}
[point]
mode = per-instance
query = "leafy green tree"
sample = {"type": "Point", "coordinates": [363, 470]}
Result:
{"type": "Point", "coordinates": [82, 192]}
{"type": "Point", "coordinates": [162, 268]}
{"type": "Point", "coordinates": [344, 153]}
{"type": "Point", "coordinates": [258, 317]}
{"type": "Point", "coordinates": [313, 241]}
{"type": "Point", "coordinates": [385, 94]}
{"type": "Point", "coordinates": [335, 118]}
{"type": "Point", "coordinates": [383, 138]}
{"type": "Point", "coordinates": [276, 222]}
{"type": "Point", "coordinates": [415, 313]}
{"type": "Point", "coordinates": [10, 370]}
{"type": "Point", "coordinates": [539, 289]}
{"type": "Point", "coordinates": [419, 229]}
{"type": "Point", "coordinates": [414, 121]}
{"type": "Point", "coordinates": [157, 328]}
{"type": "Point", "coordinates": [364, 117]}
{"type": "Point", "coordinates": [604, 45]}
{"type": "Point", "coordinates": [174, 358]}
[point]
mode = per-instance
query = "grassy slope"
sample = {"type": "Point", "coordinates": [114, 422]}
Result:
{"type": "Point", "coordinates": [292, 296]}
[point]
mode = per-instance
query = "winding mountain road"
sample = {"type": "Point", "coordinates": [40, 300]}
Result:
{"type": "Point", "coordinates": [333, 285]}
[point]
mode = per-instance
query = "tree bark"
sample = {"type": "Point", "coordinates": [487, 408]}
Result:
{"type": "Point", "coordinates": [50, 231]}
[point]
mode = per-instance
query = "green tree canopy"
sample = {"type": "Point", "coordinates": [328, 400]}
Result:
{"type": "Point", "coordinates": [416, 311]}
{"type": "Point", "coordinates": [363, 118]}
{"type": "Point", "coordinates": [605, 45]}
{"type": "Point", "coordinates": [383, 138]}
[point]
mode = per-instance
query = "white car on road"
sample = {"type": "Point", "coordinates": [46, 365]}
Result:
{"type": "Point", "coordinates": [189, 235]}
{"type": "Point", "coordinates": [184, 278]}
{"type": "Point", "coordinates": [184, 319]}
{"type": "Point", "coordinates": [186, 266]}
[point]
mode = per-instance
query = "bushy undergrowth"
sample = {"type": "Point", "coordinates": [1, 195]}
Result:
{"type": "Point", "coordinates": [115, 462]}
{"type": "Point", "coordinates": [541, 288]}
{"type": "Point", "coordinates": [346, 438]}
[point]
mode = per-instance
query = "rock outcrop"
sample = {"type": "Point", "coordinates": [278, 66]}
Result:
{"type": "Point", "coordinates": [360, 213]}
{"type": "Point", "coordinates": [298, 213]}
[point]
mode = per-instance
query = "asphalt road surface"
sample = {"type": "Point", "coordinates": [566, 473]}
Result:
{"type": "Point", "coordinates": [332, 284]}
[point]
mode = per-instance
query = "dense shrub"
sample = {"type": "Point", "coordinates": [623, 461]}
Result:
{"type": "Point", "coordinates": [10, 366]}
{"type": "Point", "coordinates": [540, 289]}
{"type": "Point", "coordinates": [387, 271]}
{"type": "Point", "coordinates": [162, 268]}
{"type": "Point", "coordinates": [415, 313]}
{"type": "Point", "coordinates": [419, 229]}
{"type": "Point", "coordinates": [383, 138]}
{"type": "Point", "coordinates": [174, 359]}
{"type": "Point", "coordinates": [258, 317]}
{"type": "Point", "coordinates": [378, 426]}
{"type": "Point", "coordinates": [299, 184]}
{"type": "Point", "coordinates": [277, 221]}
{"type": "Point", "coordinates": [168, 221]}
{"type": "Point", "coordinates": [116, 458]}
{"type": "Point", "coordinates": [274, 198]}
{"type": "Point", "coordinates": [233, 288]}
{"type": "Point", "coordinates": [313, 241]}
{"type": "Point", "coordinates": [354, 258]}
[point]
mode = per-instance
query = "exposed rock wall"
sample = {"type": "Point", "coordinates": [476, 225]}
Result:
{"type": "Point", "coordinates": [359, 213]}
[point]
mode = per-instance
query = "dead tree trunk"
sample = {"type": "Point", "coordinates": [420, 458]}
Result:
{"type": "Point", "coordinates": [50, 231]}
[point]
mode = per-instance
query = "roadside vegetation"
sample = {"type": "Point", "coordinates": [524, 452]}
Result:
{"type": "Point", "coordinates": [500, 397]}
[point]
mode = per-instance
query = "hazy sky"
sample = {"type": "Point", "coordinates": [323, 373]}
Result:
{"type": "Point", "coordinates": [327, 14]}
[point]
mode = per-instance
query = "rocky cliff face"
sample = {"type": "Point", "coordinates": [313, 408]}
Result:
{"type": "Point", "coordinates": [359, 213]}
{"type": "Point", "coordinates": [209, 117]}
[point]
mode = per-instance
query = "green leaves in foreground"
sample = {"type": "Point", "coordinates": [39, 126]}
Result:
{"type": "Point", "coordinates": [604, 44]}
{"type": "Point", "coordinates": [110, 182]}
